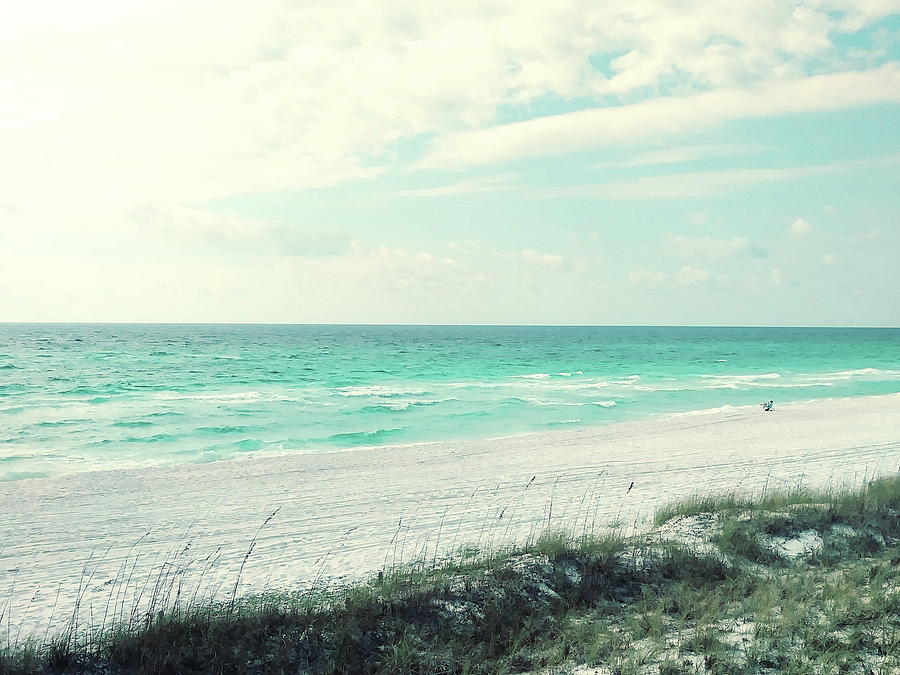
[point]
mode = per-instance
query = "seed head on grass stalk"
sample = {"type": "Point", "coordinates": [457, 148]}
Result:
{"type": "Point", "coordinates": [237, 581]}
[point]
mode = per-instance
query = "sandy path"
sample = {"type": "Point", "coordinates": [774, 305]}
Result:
{"type": "Point", "coordinates": [346, 513]}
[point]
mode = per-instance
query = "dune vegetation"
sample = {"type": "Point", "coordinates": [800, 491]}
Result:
{"type": "Point", "coordinates": [789, 582]}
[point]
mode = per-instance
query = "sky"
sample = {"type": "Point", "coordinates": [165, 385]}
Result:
{"type": "Point", "coordinates": [647, 162]}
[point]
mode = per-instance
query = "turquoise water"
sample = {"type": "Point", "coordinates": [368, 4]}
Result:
{"type": "Point", "coordinates": [86, 397]}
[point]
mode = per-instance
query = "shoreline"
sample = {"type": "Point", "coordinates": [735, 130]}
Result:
{"type": "Point", "coordinates": [347, 513]}
{"type": "Point", "coordinates": [562, 432]}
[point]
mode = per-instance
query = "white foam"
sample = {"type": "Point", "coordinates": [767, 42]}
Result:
{"type": "Point", "coordinates": [538, 401]}
{"type": "Point", "coordinates": [869, 371]}
{"type": "Point", "coordinates": [604, 404]}
{"type": "Point", "coordinates": [379, 390]}
{"type": "Point", "coordinates": [711, 411]}
{"type": "Point", "coordinates": [844, 375]}
{"type": "Point", "coordinates": [799, 385]}
{"type": "Point", "coordinates": [744, 378]}
{"type": "Point", "coordinates": [235, 397]}
{"type": "Point", "coordinates": [626, 379]}
{"type": "Point", "coordinates": [404, 405]}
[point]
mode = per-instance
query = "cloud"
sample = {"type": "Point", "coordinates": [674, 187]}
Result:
{"type": "Point", "coordinates": [689, 276]}
{"type": "Point", "coordinates": [495, 183]}
{"type": "Point", "coordinates": [390, 269]}
{"type": "Point", "coordinates": [777, 277]}
{"type": "Point", "coordinates": [705, 183]}
{"type": "Point", "coordinates": [687, 185]}
{"type": "Point", "coordinates": [468, 247]}
{"type": "Point", "coordinates": [217, 231]}
{"type": "Point", "coordinates": [122, 120]}
{"type": "Point", "coordinates": [180, 103]}
{"type": "Point", "coordinates": [662, 117]}
{"type": "Point", "coordinates": [682, 154]}
{"type": "Point", "coordinates": [646, 277]}
{"type": "Point", "coordinates": [709, 247]}
{"type": "Point", "coordinates": [697, 219]}
{"type": "Point", "coordinates": [544, 259]}
{"type": "Point", "coordinates": [800, 228]}
{"type": "Point", "coordinates": [683, 276]}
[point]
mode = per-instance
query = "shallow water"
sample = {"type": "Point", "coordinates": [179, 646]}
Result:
{"type": "Point", "coordinates": [83, 397]}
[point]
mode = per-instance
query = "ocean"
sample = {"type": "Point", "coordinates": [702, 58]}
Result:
{"type": "Point", "coordinates": [88, 397]}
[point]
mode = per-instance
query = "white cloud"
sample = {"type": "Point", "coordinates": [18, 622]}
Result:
{"type": "Point", "coordinates": [689, 276]}
{"type": "Point", "coordinates": [119, 119]}
{"type": "Point", "coordinates": [647, 277]}
{"type": "Point", "coordinates": [705, 183]}
{"type": "Point", "coordinates": [355, 282]}
{"type": "Point", "coordinates": [683, 276]}
{"type": "Point", "coordinates": [495, 183]}
{"type": "Point", "coordinates": [709, 247]}
{"type": "Point", "coordinates": [686, 185]}
{"type": "Point", "coordinates": [677, 155]}
{"type": "Point", "coordinates": [468, 247]}
{"type": "Point", "coordinates": [800, 228]}
{"type": "Point", "coordinates": [544, 259]}
{"type": "Point", "coordinates": [697, 219]}
{"type": "Point", "coordinates": [662, 117]}
{"type": "Point", "coordinates": [170, 101]}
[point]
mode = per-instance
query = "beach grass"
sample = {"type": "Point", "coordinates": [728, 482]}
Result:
{"type": "Point", "coordinates": [797, 581]}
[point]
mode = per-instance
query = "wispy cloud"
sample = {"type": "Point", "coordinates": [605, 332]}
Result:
{"type": "Point", "coordinates": [685, 185]}
{"type": "Point", "coordinates": [494, 183]}
{"type": "Point", "coordinates": [705, 183]}
{"type": "Point", "coordinates": [708, 247]}
{"type": "Point", "coordinates": [663, 117]}
{"type": "Point", "coordinates": [688, 153]}
{"type": "Point", "coordinates": [683, 276]}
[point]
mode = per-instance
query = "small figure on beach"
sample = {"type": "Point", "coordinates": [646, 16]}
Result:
{"type": "Point", "coordinates": [768, 405]}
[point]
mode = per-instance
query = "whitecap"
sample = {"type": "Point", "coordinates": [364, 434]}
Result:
{"type": "Point", "coordinates": [847, 374]}
{"type": "Point", "coordinates": [626, 380]}
{"type": "Point", "coordinates": [604, 404]}
{"type": "Point", "coordinates": [236, 397]}
{"type": "Point", "coordinates": [538, 401]}
{"type": "Point", "coordinates": [868, 371]}
{"type": "Point", "coordinates": [803, 385]}
{"type": "Point", "coordinates": [580, 386]}
{"type": "Point", "coordinates": [744, 378]}
{"type": "Point", "coordinates": [405, 405]}
{"type": "Point", "coordinates": [379, 390]}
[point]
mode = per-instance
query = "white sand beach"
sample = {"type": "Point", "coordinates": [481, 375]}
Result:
{"type": "Point", "coordinates": [106, 536]}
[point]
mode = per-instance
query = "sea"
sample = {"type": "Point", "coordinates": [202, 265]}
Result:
{"type": "Point", "coordinates": [88, 397]}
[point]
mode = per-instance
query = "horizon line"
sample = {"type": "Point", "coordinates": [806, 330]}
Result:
{"type": "Point", "coordinates": [433, 325]}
